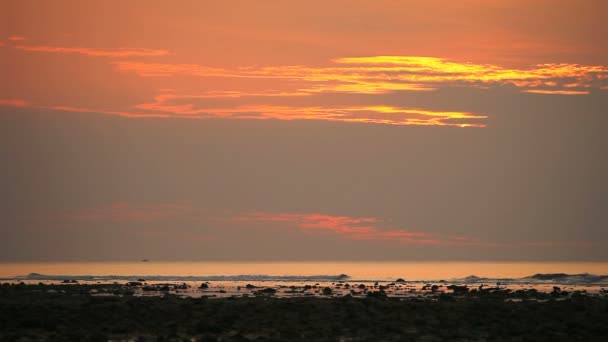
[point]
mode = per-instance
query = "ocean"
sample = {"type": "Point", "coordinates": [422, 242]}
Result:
{"type": "Point", "coordinates": [380, 271]}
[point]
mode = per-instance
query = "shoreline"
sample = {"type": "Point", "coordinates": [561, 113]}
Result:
{"type": "Point", "coordinates": [71, 312]}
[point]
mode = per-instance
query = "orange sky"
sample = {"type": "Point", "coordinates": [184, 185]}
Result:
{"type": "Point", "coordinates": [243, 59]}
{"type": "Point", "coordinates": [393, 127]}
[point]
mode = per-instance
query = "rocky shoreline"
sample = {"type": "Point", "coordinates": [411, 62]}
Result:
{"type": "Point", "coordinates": [102, 312]}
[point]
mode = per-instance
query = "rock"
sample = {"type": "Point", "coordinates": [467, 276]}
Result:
{"type": "Point", "coordinates": [268, 291]}
{"type": "Point", "coordinates": [183, 286]}
{"type": "Point", "coordinates": [134, 283]}
{"type": "Point", "coordinates": [458, 289]}
{"type": "Point", "coordinates": [327, 291]}
{"type": "Point", "coordinates": [400, 280]}
{"type": "Point", "coordinates": [204, 286]}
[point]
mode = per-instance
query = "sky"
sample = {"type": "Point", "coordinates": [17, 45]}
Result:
{"type": "Point", "coordinates": [304, 130]}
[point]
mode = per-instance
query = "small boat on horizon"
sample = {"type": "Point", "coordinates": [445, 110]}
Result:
{"type": "Point", "coordinates": [145, 260]}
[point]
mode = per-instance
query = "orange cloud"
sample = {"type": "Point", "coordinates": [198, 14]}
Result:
{"type": "Point", "coordinates": [16, 38]}
{"type": "Point", "coordinates": [352, 228]}
{"type": "Point", "coordinates": [389, 115]}
{"type": "Point", "coordinates": [346, 227]}
{"type": "Point", "coordinates": [381, 74]}
{"type": "Point", "coordinates": [560, 92]}
{"type": "Point", "coordinates": [386, 115]}
{"type": "Point", "coordinates": [374, 229]}
{"type": "Point", "coordinates": [115, 53]}
{"type": "Point", "coordinates": [14, 103]}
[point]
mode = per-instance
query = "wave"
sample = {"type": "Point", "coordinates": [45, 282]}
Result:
{"type": "Point", "coordinates": [539, 278]}
{"type": "Point", "coordinates": [320, 278]}
{"type": "Point", "coordinates": [543, 278]}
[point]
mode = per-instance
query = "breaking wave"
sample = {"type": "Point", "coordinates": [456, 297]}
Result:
{"type": "Point", "coordinates": [540, 278]}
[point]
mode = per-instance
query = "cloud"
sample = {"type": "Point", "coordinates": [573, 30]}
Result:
{"type": "Point", "coordinates": [375, 229]}
{"type": "Point", "coordinates": [382, 74]}
{"type": "Point", "coordinates": [352, 228]}
{"type": "Point", "coordinates": [386, 115]}
{"type": "Point", "coordinates": [14, 103]}
{"type": "Point", "coordinates": [560, 92]}
{"type": "Point", "coordinates": [389, 115]}
{"type": "Point", "coordinates": [345, 227]}
{"type": "Point", "coordinates": [16, 38]}
{"type": "Point", "coordinates": [96, 52]}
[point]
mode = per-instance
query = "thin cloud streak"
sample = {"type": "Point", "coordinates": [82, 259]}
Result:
{"type": "Point", "coordinates": [389, 115]}
{"type": "Point", "coordinates": [14, 103]}
{"type": "Point", "coordinates": [386, 115]}
{"type": "Point", "coordinates": [96, 52]}
{"type": "Point", "coordinates": [345, 227]}
{"type": "Point", "coordinates": [558, 92]}
{"type": "Point", "coordinates": [383, 74]}
{"type": "Point", "coordinates": [375, 229]}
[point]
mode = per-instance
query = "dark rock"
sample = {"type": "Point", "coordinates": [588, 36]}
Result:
{"type": "Point", "coordinates": [268, 290]}
{"type": "Point", "coordinates": [458, 289]}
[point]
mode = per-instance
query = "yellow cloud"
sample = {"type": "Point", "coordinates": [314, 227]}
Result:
{"type": "Point", "coordinates": [382, 74]}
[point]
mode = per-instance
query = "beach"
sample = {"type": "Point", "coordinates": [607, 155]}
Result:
{"type": "Point", "coordinates": [71, 312]}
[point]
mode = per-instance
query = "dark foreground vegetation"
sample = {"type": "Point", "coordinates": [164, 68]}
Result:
{"type": "Point", "coordinates": [71, 313]}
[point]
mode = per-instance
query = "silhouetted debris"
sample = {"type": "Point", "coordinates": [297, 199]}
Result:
{"type": "Point", "coordinates": [204, 286]}
{"type": "Point", "coordinates": [327, 291]}
{"type": "Point", "coordinates": [134, 283]}
{"type": "Point", "coordinates": [249, 286]}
